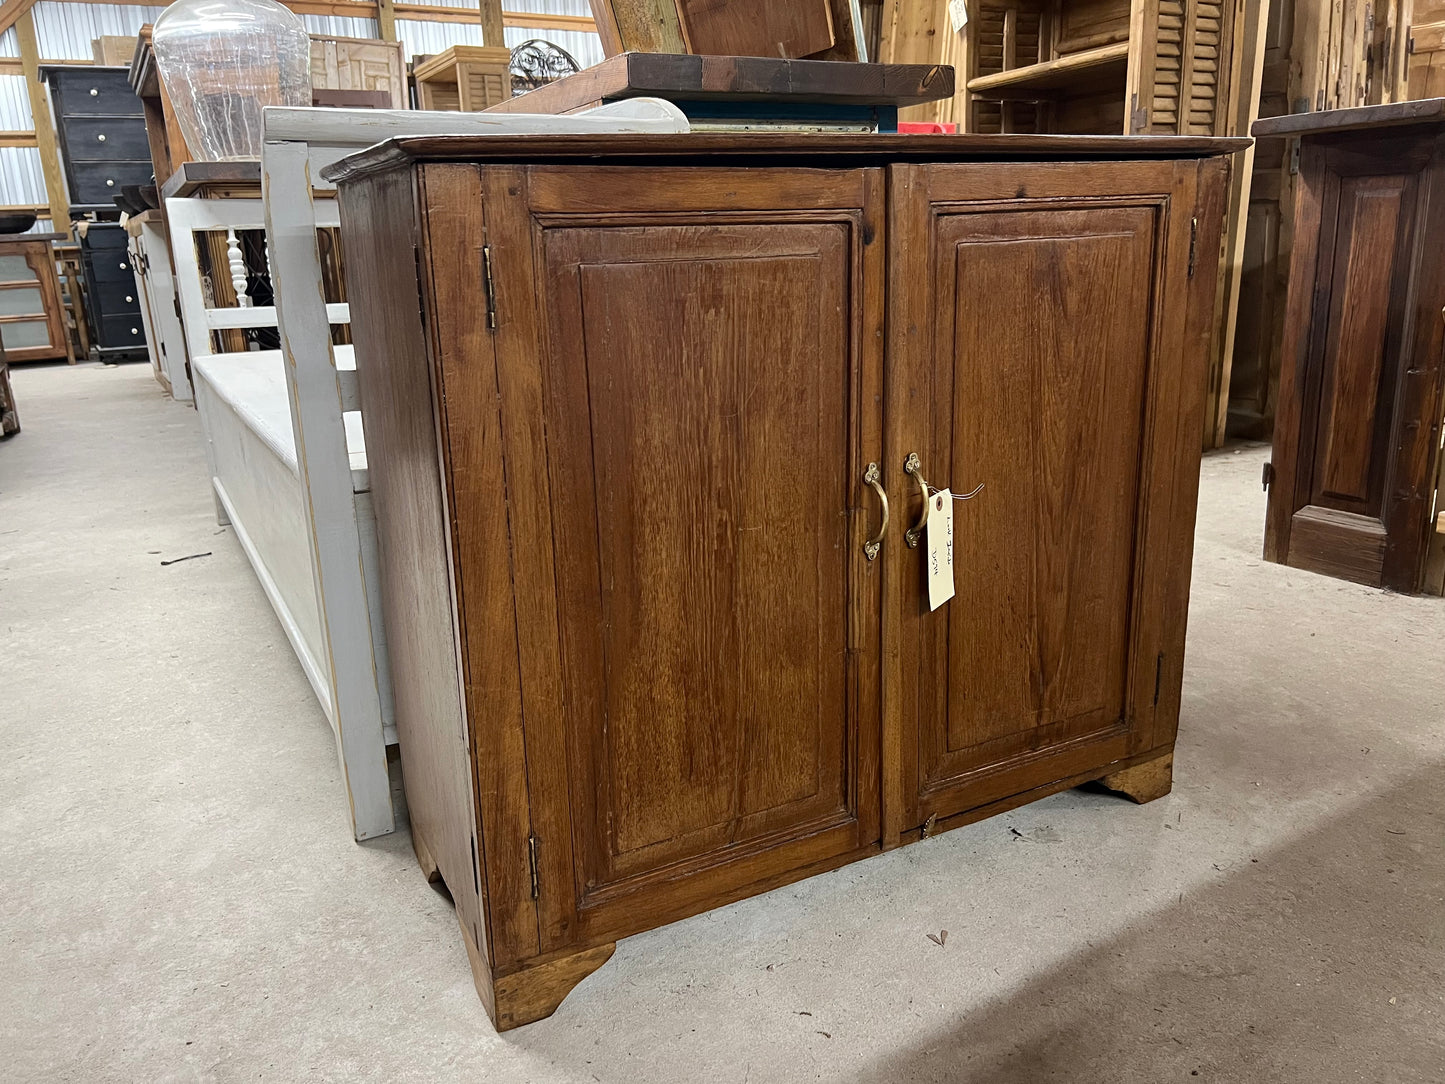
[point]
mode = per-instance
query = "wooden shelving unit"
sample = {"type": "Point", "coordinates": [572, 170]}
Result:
{"type": "Point", "coordinates": [1107, 62]}
{"type": "Point", "coordinates": [1097, 67]}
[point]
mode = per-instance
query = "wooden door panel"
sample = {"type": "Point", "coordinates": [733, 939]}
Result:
{"type": "Point", "coordinates": [1047, 409]}
{"type": "Point", "coordinates": [1349, 473]}
{"type": "Point", "coordinates": [717, 683]}
{"type": "Point", "coordinates": [1052, 358]}
{"type": "Point", "coordinates": [718, 627]}
{"type": "Point", "coordinates": [1353, 422]}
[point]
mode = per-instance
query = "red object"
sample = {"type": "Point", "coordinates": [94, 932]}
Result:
{"type": "Point", "coordinates": [913, 127]}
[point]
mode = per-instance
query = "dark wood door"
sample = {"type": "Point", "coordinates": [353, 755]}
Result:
{"type": "Point", "coordinates": [1046, 354]}
{"type": "Point", "coordinates": [706, 347]}
{"type": "Point", "coordinates": [1358, 432]}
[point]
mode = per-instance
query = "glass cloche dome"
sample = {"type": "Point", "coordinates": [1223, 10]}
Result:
{"type": "Point", "coordinates": [222, 61]}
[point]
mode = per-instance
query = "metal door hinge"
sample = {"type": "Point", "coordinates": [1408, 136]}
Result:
{"type": "Point", "coordinates": [490, 288]}
{"type": "Point", "coordinates": [1193, 243]}
{"type": "Point", "coordinates": [1158, 676]}
{"type": "Point", "coordinates": [1294, 157]}
{"type": "Point", "coordinates": [1267, 475]}
{"type": "Point", "coordinates": [532, 860]}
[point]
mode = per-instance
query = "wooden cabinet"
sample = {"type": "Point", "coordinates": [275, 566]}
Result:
{"type": "Point", "coordinates": [102, 133]}
{"type": "Point", "coordinates": [32, 318]}
{"type": "Point", "coordinates": [630, 422]}
{"type": "Point", "coordinates": [1357, 437]}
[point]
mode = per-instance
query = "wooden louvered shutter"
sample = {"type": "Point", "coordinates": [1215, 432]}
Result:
{"type": "Point", "coordinates": [1190, 75]}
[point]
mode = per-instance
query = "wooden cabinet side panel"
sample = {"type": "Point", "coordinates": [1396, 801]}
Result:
{"type": "Point", "coordinates": [1204, 187]}
{"type": "Point", "coordinates": [1410, 495]}
{"type": "Point", "coordinates": [1299, 305]}
{"type": "Point", "coordinates": [491, 499]}
{"type": "Point", "coordinates": [380, 220]}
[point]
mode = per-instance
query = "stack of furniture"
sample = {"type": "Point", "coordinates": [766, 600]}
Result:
{"type": "Point", "coordinates": [32, 318]}
{"type": "Point", "coordinates": [283, 437]}
{"type": "Point", "coordinates": [464, 78]}
{"type": "Point", "coordinates": [642, 469]}
{"type": "Point", "coordinates": [111, 296]}
{"type": "Point", "coordinates": [104, 146]}
{"type": "Point", "coordinates": [1355, 473]}
{"type": "Point", "coordinates": [102, 132]}
{"type": "Point", "coordinates": [741, 93]}
{"type": "Point", "coordinates": [360, 72]}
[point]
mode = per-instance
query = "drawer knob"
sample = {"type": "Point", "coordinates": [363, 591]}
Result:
{"type": "Point", "coordinates": [109, 183]}
{"type": "Point", "coordinates": [133, 331]}
{"type": "Point", "coordinates": [101, 137]}
{"type": "Point", "coordinates": [129, 298]}
{"type": "Point", "coordinates": [122, 266]}
{"type": "Point", "coordinates": [94, 93]}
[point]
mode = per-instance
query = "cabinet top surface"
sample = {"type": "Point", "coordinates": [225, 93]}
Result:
{"type": "Point", "coordinates": [1423, 111]}
{"type": "Point", "coordinates": [773, 148]}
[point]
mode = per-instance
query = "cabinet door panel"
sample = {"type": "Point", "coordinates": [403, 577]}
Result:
{"type": "Point", "coordinates": [1354, 451]}
{"type": "Point", "coordinates": [1050, 333]}
{"type": "Point", "coordinates": [707, 415]}
{"type": "Point", "coordinates": [1047, 357]}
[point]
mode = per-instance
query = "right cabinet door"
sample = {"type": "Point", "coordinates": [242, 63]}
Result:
{"type": "Point", "coordinates": [1043, 348]}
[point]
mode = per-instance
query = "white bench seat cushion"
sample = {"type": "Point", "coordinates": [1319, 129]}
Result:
{"type": "Point", "coordinates": [253, 384]}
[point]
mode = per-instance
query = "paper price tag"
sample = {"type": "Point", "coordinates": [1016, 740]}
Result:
{"type": "Point", "coordinates": [939, 539]}
{"type": "Point", "coordinates": [958, 14]}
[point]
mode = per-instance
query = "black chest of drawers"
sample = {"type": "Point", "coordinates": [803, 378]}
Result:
{"type": "Point", "coordinates": [102, 132]}
{"type": "Point", "coordinates": [112, 297]}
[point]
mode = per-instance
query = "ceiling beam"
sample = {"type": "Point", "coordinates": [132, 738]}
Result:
{"type": "Point", "coordinates": [44, 125]}
{"type": "Point", "coordinates": [11, 10]}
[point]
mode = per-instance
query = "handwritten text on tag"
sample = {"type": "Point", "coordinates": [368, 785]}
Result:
{"type": "Point", "coordinates": [940, 548]}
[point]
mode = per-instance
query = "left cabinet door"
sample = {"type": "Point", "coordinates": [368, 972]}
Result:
{"type": "Point", "coordinates": [688, 366]}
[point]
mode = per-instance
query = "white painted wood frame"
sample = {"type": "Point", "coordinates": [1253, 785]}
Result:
{"type": "Point", "coordinates": [298, 144]}
{"type": "Point", "coordinates": [165, 338]}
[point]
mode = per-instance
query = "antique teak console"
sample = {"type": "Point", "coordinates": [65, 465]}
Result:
{"type": "Point", "coordinates": [659, 642]}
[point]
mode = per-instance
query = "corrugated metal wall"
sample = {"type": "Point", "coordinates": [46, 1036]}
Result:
{"type": "Point", "coordinates": [64, 31]}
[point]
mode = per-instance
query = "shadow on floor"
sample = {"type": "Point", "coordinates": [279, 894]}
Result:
{"type": "Point", "coordinates": [1320, 961]}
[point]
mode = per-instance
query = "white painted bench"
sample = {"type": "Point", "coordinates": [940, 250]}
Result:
{"type": "Point", "coordinates": [284, 439]}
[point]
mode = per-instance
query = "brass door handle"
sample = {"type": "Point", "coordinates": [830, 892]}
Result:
{"type": "Point", "coordinates": [872, 477]}
{"type": "Point", "coordinates": [914, 466]}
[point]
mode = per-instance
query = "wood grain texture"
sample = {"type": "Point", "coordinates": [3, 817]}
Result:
{"type": "Point", "coordinates": [1056, 645]}
{"type": "Point", "coordinates": [1356, 448]}
{"type": "Point", "coordinates": [654, 458]}
{"type": "Point", "coordinates": [736, 78]}
{"type": "Point", "coordinates": [643, 26]}
{"type": "Point", "coordinates": [1143, 782]}
{"type": "Point", "coordinates": [756, 27]}
{"type": "Point", "coordinates": [482, 527]}
{"type": "Point", "coordinates": [1367, 117]}
{"type": "Point", "coordinates": [781, 147]}
{"type": "Point", "coordinates": [681, 769]}
{"type": "Point", "coordinates": [533, 994]}
{"type": "Point", "coordinates": [400, 402]}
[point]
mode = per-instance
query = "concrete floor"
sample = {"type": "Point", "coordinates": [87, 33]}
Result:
{"type": "Point", "coordinates": [180, 897]}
